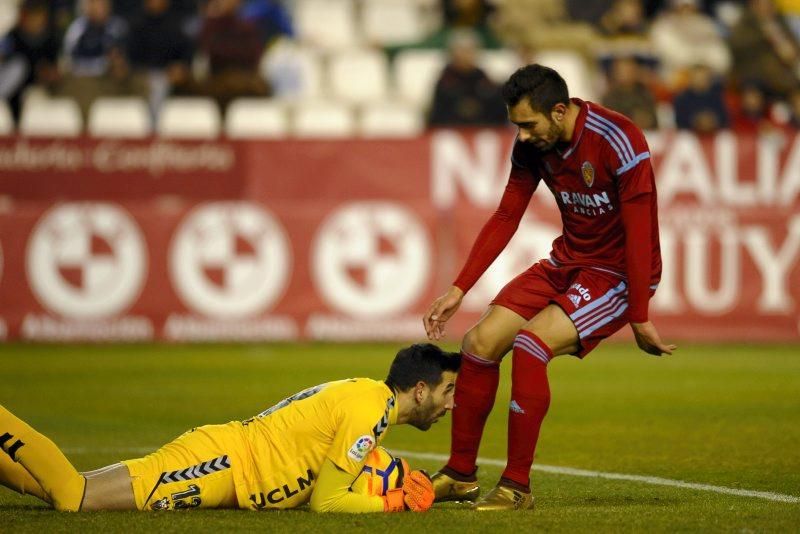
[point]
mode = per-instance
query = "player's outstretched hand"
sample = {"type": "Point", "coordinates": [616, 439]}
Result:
{"type": "Point", "coordinates": [440, 311]}
{"type": "Point", "coordinates": [418, 491]}
{"type": "Point", "coordinates": [648, 339]}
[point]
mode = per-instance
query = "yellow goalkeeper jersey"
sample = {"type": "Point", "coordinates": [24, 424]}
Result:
{"type": "Point", "coordinates": [340, 421]}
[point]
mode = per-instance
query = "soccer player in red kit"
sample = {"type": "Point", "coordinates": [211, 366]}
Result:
{"type": "Point", "coordinates": [600, 275]}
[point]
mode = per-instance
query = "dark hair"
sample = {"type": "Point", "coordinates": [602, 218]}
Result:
{"type": "Point", "coordinates": [542, 86]}
{"type": "Point", "coordinates": [29, 6]}
{"type": "Point", "coordinates": [421, 362]}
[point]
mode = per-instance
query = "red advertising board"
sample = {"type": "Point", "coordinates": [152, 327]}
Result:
{"type": "Point", "coordinates": [351, 239]}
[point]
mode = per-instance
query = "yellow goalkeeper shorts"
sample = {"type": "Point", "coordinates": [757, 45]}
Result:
{"type": "Point", "coordinates": [203, 468]}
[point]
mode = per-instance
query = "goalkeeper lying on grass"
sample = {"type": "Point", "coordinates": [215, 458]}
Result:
{"type": "Point", "coordinates": [307, 448]}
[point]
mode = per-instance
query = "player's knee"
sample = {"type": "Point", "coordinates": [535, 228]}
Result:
{"type": "Point", "coordinates": [480, 344]}
{"type": "Point", "coordinates": [66, 505]}
{"type": "Point", "coordinates": [69, 495]}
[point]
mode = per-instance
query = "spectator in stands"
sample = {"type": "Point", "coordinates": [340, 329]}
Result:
{"type": "Point", "coordinates": [625, 19]}
{"type": "Point", "coordinates": [470, 14]}
{"type": "Point", "coordinates": [765, 49]}
{"type": "Point", "coordinates": [93, 39]}
{"type": "Point", "coordinates": [589, 12]}
{"type": "Point", "coordinates": [701, 106]}
{"type": "Point", "coordinates": [751, 112]}
{"type": "Point", "coordinates": [127, 9]}
{"type": "Point", "coordinates": [628, 94]}
{"type": "Point", "coordinates": [270, 17]}
{"type": "Point", "coordinates": [464, 94]}
{"type": "Point", "coordinates": [96, 55]}
{"type": "Point", "coordinates": [159, 50]}
{"type": "Point", "coordinates": [532, 25]}
{"type": "Point", "coordinates": [626, 33]}
{"type": "Point", "coordinates": [28, 54]}
{"type": "Point", "coordinates": [282, 64]}
{"type": "Point", "coordinates": [233, 48]}
{"type": "Point", "coordinates": [682, 35]}
{"type": "Point", "coordinates": [473, 15]}
{"type": "Point", "coordinates": [62, 13]}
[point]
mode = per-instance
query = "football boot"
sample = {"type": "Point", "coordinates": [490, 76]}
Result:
{"type": "Point", "coordinates": [504, 498]}
{"type": "Point", "coordinates": [446, 488]}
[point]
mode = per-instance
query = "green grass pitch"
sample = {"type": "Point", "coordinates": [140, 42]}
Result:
{"type": "Point", "coordinates": [711, 414]}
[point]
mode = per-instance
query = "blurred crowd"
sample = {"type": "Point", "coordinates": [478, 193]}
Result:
{"type": "Point", "coordinates": [689, 64]}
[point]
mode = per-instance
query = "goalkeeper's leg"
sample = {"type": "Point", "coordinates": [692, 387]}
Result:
{"type": "Point", "coordinates": [61, 484]}
{"type": "Point", "coordinates": [17, 478]}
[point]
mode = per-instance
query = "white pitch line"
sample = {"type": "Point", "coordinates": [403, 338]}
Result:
{"type": "Point", "coordinates": [556, 470]}
{"type": "Point", "coordinates": [657, 481]}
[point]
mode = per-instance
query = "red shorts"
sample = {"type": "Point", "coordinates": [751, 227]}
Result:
{"type": "Point", "coordinates": [595, 300]}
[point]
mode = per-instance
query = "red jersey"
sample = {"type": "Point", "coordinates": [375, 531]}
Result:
{"type": "Point", "coordinates": [604, 186]}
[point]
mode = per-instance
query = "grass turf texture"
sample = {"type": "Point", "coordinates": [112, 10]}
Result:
{"type": "Point", "coordinates": [720, 415]}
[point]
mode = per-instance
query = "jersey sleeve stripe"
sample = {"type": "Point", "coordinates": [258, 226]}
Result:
{"type": "Point", "coordinates": [608, 138]}
{"type": "Point", "coordinates": [631, 164]}
{"type": "Point", "coordinates": [611, 134]}
{"type": "Point", "coordinates": [617, 129]}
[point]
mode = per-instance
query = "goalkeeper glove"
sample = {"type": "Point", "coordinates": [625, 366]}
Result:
{"type": "Point", "coordinates": [416, 493]}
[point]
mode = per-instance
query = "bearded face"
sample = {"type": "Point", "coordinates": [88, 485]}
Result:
{"type": "Point", "coordinates": [432, 404]}
{"type": "Point", "coordinates": [541, 130]}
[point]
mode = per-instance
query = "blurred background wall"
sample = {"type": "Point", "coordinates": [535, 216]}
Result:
{"type": "Point", "coordinates": [317, 169]}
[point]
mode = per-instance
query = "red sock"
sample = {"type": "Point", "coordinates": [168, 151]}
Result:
{"type": "Point", "coordinates": [530, 398]}
{"type": "Point", "coordinates": [476, 387]}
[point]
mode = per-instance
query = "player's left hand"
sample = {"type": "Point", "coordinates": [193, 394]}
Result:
{"type": "Point", "coordinates": [418, 491]}
{"type": "Point", "coordinates": [648, 339]}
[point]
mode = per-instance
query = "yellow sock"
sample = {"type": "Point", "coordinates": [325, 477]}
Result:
{"type": "Point", "coordinates": [43, 460]}
{"type": "Point", "coordinates": [17, 478]}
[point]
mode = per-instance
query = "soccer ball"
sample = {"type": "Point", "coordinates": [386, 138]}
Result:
{"type": "Point", "coordinates": [380, 473]}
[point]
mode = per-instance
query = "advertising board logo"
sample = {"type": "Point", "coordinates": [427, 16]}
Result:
{"type": "Point", "coordinates": [229, 260]}
{"type": "Point", "coordinates": [86, 260]}
{"type": "Point", "coordinates": [371, 258]}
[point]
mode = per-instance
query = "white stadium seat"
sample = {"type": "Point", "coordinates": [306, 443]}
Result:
{"type": "Point", "coordinates": [256, 118]}
{"type": "Point", "coordinates": [392, 22]}
{"type": "Point", "coordinates": [120, 117]}
{"type": "Point", "coordinates": [189, 118]}
{"type": "Point", "coordinates": [326, 24]}
{"type": "Point", "coordinates": [6, 120]}
{"type": "Point", "coordinates": [391, 119]}
{"type": "Point", "coordinates": [358, 76]}
{"type": "Point", "coordinates": [51, 117]}
{"type": "Point", "coordinates": [416, 73]}
{"type": "Point", "coordinates": [293, 71]}
{"type": "Point", "coordinates": [572, 68]}
{"type": "Point", "coordinates": [8, 15]}
{"type": "Point", "coordinates": [499, 64]}
{"type": "Point", "coordinates": [323, 119]}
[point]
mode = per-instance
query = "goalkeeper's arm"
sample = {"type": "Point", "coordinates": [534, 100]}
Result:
{"type": "Point", "coordinates": [332, 493]}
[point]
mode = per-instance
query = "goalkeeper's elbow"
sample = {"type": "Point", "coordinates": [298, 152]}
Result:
{"type": "Point", "coordinates": [317, 504]}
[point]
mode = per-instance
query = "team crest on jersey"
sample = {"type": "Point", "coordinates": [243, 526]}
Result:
{"type": "Point", "coordinates": [588, 173]}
